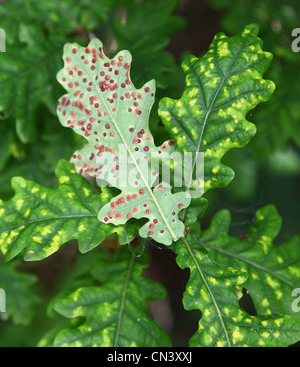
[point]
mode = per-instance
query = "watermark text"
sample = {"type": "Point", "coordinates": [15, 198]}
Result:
{"type": "Point", "coordinates": [296, 42]}
{"type": "Point", "coordinates": [2, 40]}
{"type": "Point", "coordinates": [2, 300]}
{"type": "Point", "coordinates": [296, 302]}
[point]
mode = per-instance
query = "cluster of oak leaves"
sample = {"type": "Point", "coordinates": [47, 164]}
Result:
{"type": "Point", "coordinates": [104, 107]}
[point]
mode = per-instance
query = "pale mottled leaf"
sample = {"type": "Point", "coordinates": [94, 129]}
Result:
{"type": "Point", "coordinates": [103, 106]}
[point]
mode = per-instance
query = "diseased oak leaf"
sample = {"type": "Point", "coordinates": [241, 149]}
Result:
{"type": "Point", "coordinates": [221, 88]}
{"type": "Point", "coordinates": [112, 313]}
{"type": "Point", "coordinates": [215, 291]}
{"type": "Point", "coordinates": [40, 220]}
{"type": "Point", "coordinates": [103, 106]}
{"type": "Point", "coordinates": [274, 270]}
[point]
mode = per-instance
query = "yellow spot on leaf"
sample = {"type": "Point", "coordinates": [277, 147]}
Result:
{"type": "Point", "coordinates": [215, 169]}
{"type": "Point", "coordinates": [236, 336]}
{"type": "Point", "coordinates": [45, 231]}
{"type": "Point", "coordinates": [279, 259]}
{"type": "Point", "coordinates": [165, 115]}
{"type": "Point", "coordinates": [64, 179]}
{"type": "Point", "coordinates": [19, 204]}
{"type": "Point", "coordinates": [223, 50]}
{"type": "Point", "coordinates": [86, 191]}
{"type": "Point", "coordinates": [278, 322]}
{"type": "Point", "coordinates": [13, 234]}
{"type": "Point", "coordinates": [272, 282]}
{"type": "Point", "coordinates": [81, 228]}
{"type": "Point", "coordinates": [206, 313]}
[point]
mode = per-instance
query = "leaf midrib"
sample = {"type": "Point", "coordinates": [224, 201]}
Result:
{"type": "Point", "coordinates": [247, 261]}
{"type": "Point", "coordinates": [124, 292]}
{"type": "Point", "coordinates": [30, 69]}
{"type": "Point", "coordinates": [62, 217]}
{"type": "Point", "coordinates": [220, 314]}
{"type": "Point", "coordinates": [209, 110]}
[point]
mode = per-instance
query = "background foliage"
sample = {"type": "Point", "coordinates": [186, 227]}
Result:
{"type": "Point", "coordinates": [159, 35]}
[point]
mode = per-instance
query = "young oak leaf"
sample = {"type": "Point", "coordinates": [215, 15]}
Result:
{"type": "Point", "coordinates": [156, 22]}
{"type": "Point", "coordinates": [221, 87]}
{"type": "Point", "coordinates": [103, 106]}
{"type": "Point", "coordinates": [30, 70]}
{"type": "Point", "coordinates": [274, 270]}
{"type": "Point", "coordinates": [113, 312]}
{"type": "Point", "coordinates": [40, 220]}
{"type": "Point", "coordinates": [214, 289]}
{"type": "Point", "coordinates": [19, 289]}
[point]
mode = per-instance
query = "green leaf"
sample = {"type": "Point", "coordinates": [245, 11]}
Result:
{"type": "Point", "coordinates": [41, 220]}
{"type": "Point", "coordinates": [27, 78]}
{"type": "Point", "coordinates": [80, 14]}
{"type": "Point", "coordinates": [36, 161]}
{"type": "Point", "coordinates": [212, 290]}
{"type": "Point", "coordinates": [20, 296]}
{"type": "Point", "coordinates": [273, 270]}
{"type": "Point", "coordinates": [113, 312]}
{"type": "Point", "coordinates": [221, 87]}
{"type": "Point", "coordinates": [144, 30]}
{"type": "Point", "coordinates": [76, 275]}
{"type": "Point", "coordinates": [6, 141]}
{"type": "Point", "coordinates": [52, 15]}
{"type": "Point", "coordinates": [278, 122]}
{"type": "Point", "coordinates": [103, 106]}
{"type": "Point", "coordinates": [11, 18]}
